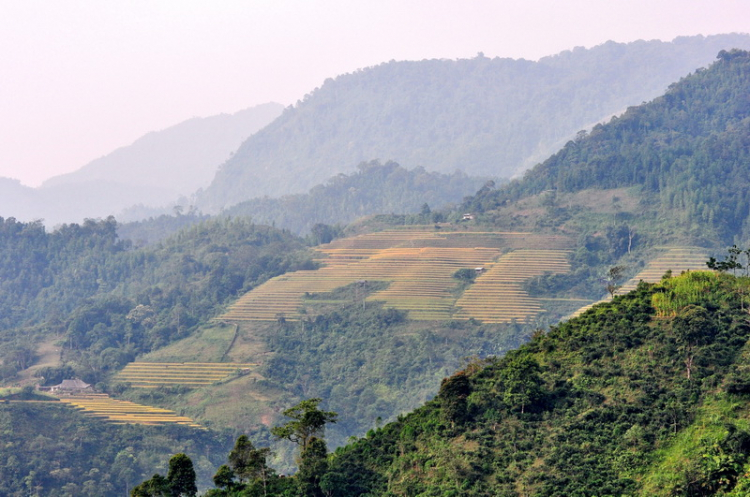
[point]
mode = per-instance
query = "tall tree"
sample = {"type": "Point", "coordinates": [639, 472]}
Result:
{"type": "Point", "coordinates": [181, 476]}
{"type": "Point", "coordinates": [249, 463]}
{"type": "Point", "coordinates": [313, 467]}
{"type": "Point", "coordinates": [307, 422]}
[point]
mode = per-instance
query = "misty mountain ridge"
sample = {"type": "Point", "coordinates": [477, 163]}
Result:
{"type": "Point", "coordinates": [486, 117]}
{"type": "Point", "coordinates": [154, 170]}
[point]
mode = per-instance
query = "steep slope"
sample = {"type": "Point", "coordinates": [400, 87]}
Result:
{"type": "Point", "coordinates": [686, 154]}
{"type": "Point", "coordinates": [646, 395]}
{"type": "Point", "coordinates": [482, 116]}
{"type": "Point", "coordinates": [155, 169]}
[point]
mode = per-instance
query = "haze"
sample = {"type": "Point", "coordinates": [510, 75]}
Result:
{"type": "Point", "coordinates": [81, 78]}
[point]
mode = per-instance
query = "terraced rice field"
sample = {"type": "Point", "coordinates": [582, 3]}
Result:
{"type": "Point", "coordinates": [497, 295]}
{"type": "Point", "coordinates": [190, 374]}
{"type": "Point", "coordinates": [676, 259]}
{"type": "Point", "coordinates": [124, 412]}
{"type": "Point", "coordinates": [418, 264]}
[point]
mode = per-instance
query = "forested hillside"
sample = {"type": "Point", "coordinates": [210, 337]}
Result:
{"type": "Point", "coordinates": [686, 152]}
{"type": "Point", "coordinates": [646, 395]}
{"type": "Point", "coordinates": [83, 284]}
{"type": "Point", "coordinates": [625, 399]}
{"type": "Point", "coordinates": [482, 116]}
{"type": "Point", "coordinates": [643, 396]}
{"type": "Point", "coordinates": [51, 450]}
{"type": "Point", "coordinates": [373, 189]}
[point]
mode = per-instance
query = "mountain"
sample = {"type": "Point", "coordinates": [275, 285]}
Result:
{"type": "Point", "coordinates": [645, 396]}
{"type": "Point", "coordinates": [485, 117]}
{"type": "Point", "coordinates": [625, 400]}
{"type": "Point", "coordinates": [155, 169]}
{"type": "Point", "coordinates": [684, 156]}
{"type": "Point", "coordinates": [373, 189]}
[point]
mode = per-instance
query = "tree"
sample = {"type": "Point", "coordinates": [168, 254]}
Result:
{"type": "Point", "coordinates": [181, 476]}
{"type": "Point", "coordinates": [247, 462]}
{"type": "Point", "coordinates": [692, 328]}
{"type": "Point", "coordinates": [453, 394]}
{"type": "Point", "coordinates": [157, 486]}
{"type": "Point", "coordinates": [224, 477]}
{"type": "Point", "coordinates": [307, 422]}
{"type": "Point", "coordinates": [521, 382]}
{"type": "Point", "coordinates": [614, 276]}
{"type": "Point", "coordinates": [313, 467]}
{"type": "Point", "coordinates": [732, 262]}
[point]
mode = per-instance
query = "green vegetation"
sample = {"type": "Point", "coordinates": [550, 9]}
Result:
{"type": "Point", "coordinates": [481, 116]}
{"type": "Point", "coordinates": [600, 405]}
{"type": "Point", "coordinates": [371, 323]}
{"type": "Point", "coordinates": [372, 189]}
{"type": "Point", "coordinates": [50, 449]}
{"type": "Point", "coordinates": [686, 152]}
{"type": "Point", "coordinates": [108, 302]}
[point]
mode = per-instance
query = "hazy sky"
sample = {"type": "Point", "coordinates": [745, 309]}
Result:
{"type": "Point", "coordinates": [81, 78]}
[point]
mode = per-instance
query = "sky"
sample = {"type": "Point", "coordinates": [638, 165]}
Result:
{"type": "Point", "coordinates": [81, 78]}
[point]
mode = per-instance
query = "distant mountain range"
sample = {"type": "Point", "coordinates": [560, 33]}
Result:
{"type": "Point", "coordinates": [154, 170]}
{"type": "Point", "coordinates": [490, 117]}
{"type": "Point", "coordinates": [483, 117]}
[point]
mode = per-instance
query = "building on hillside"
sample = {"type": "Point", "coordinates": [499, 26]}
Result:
{"type": "Point", "coordinates": [69, 387]}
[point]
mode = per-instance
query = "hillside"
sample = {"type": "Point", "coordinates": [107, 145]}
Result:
{"type": "Point", "coordinates": [154, 170]}
{"type": "Point", "coordinates": [373, 189]}
{"type": "Point", "coordinates": [484, 117]}
{"type": "Point", "coordinates": [682, 157]}
{"type": "Point", "coordinates": [51, 449]}
{"type": "Point", "coordinates": [646, 395]}
{"type": "Point", "coordinates": [107, 302]}
{"type": "Point", "coordinates": [227, 310]}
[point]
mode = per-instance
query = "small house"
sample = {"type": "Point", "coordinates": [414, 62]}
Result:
{"type": "Point", "coordinates": [68, 387]}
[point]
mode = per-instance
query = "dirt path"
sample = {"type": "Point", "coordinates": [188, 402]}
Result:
{"type": "Point", "coordinates": [48, 353]}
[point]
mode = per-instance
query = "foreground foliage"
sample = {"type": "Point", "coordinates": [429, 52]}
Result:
{"type": "Point", "coordinates": [589, 408]}
{"type": "Point", "coordinates": [618, 401]}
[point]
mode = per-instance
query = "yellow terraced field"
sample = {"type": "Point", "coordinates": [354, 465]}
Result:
{"type": "Point", "coordinates": [191, 374]}
{"type": "Point", "coordinates": [675, 259]}
{"type": "Point", "coordinates": [124, 412]}
{"type": "Point", "coordinates": [497, 295]}
{"type": "Point", "coordinates": [418, 264]}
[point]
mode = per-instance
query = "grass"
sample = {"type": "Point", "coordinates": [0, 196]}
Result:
{"type": "Point", "coordinates": [207, 345]}
{"type": "Point", "coordinates": [673, 461]}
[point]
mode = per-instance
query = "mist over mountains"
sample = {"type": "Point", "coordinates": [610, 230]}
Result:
{"type": "Point", "coordinates": [483, 117]}
{"type": "Point", "coordinates": [491, 117]}
{"type": "Point", "coordinates": [154, 170]}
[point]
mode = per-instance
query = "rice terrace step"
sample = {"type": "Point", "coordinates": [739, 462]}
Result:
{"type": "Point", "coordinates": [418, 264]}
{"type": "Point", "coordinates": [190, 374]}
{"type": "Point", "coordinates": [125, 412]}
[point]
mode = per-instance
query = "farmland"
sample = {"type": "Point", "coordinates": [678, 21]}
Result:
{"type": "Point", "coordinates": [116, 411]}
{"type": "Point", "coordinates": [674, 259]}
{"type": "Point", "coordinates": [497, 295]}
{"type": "Point", "coordinates": [192, 374]}
{"type": "Point", "coordinates": [418, 265]}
